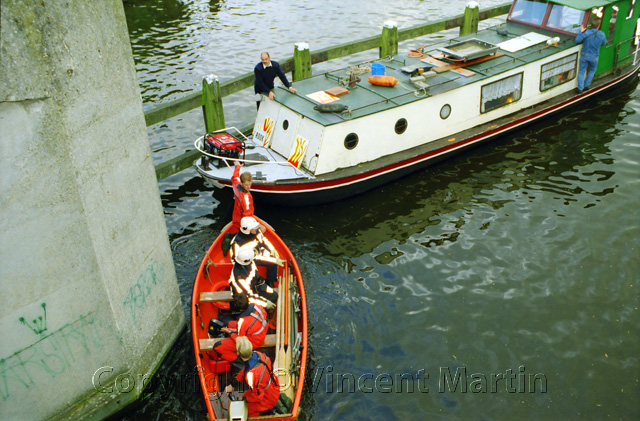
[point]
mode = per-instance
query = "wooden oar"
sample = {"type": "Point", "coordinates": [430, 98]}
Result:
{"type": "Point", "coordinates": [288, 341]}
{"type": "Point", "coordinates": [280, 357]}
{"type": "Point", "coordinates": [286, 312]}
{"type": "Point", "coordinates": [292, 310]}
{"type": "Point", "coordinates": [283, 314]}
{"type": "Point", "coordinates": [278, 321]}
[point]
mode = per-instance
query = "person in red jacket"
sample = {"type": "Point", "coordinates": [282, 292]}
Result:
{"type": "Point", "coordinates": [242, 203]}
{"type": "Point", "coordinates": [263, 389]}
{"type": "Point", "coordinates": [252, 323]}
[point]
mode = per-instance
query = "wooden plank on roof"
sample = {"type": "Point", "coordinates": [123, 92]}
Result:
{"type": "Point", "coordinates": [438, 63]}
{"type": "Point", "coordinates": [461, 64]}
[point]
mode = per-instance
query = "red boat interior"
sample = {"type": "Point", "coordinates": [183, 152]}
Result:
{"type": "Point", "coordinates": [285, 343]}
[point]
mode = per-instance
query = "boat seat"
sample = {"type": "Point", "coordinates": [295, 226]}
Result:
{"type": "Point", "coordinates": [207, 344]}
{"type": "Point", "coordinates": [215, 296]}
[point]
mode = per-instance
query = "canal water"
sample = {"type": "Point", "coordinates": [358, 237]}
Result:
{"type": "Point", "coordinates": [502, 284]}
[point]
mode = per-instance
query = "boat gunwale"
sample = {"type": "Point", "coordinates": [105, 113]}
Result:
{"type": "Point", "coordinates": [302, 358]}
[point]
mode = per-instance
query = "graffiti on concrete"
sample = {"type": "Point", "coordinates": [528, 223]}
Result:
{"type": "Point", "coordinates": [39, 324]}
{"type": "Point", "coordinates": [136, 298]}
{"type": "Point", "coordinates": [50, 356]}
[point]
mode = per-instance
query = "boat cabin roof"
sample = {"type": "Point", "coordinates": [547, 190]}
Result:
{"type": "Point", "coordinates": [517, 44]}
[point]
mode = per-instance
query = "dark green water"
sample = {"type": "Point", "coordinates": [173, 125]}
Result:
{"type": "Point", "coordinates": [516, 264]}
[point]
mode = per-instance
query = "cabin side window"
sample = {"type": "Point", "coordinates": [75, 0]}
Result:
{"type": "Point", "coordinates": [558, 72]}
{"type": "Point", "coordinates": [528, 11]}
{"type": "Point", "coordinates": [555, 17]}
{"type": "Point", "coordinates": [565, 18]}
{"type": "Point", "coordinates": [501, 93]}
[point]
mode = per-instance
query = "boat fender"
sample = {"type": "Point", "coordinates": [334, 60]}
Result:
{"type": "Point", "coordinates": [379, 80]}
{"type": "Point", "coordinates": [331, 108]}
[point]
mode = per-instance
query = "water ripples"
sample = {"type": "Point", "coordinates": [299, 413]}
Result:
{"type": "Point", "coordinates": [520, 253]}
{"type": "Point", "coordinates": [517, 266]}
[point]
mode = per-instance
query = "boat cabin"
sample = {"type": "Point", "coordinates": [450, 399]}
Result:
{"type": "Point", "coordinates": [500, 58]}
{"type": "Point", "coordinates": [436, 100]}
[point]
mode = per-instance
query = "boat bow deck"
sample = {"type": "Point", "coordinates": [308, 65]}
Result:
{"type": "Point", "coordinates": [265, 165]}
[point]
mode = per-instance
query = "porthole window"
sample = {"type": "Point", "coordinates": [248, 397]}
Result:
{"type": "Point", "coordinates": [445, 111]}
{"type": "Point", "coordinates": [351, 141]}
{"type": "Point", "coordinates": [285, 125]}
{"type": "Point", "coordinates": [401, 125]}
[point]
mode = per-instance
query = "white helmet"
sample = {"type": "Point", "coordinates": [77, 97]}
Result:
{"type": "Point", "coordinates": [248, 223]}
{"type": "Point", "coordinates": [245, 255]}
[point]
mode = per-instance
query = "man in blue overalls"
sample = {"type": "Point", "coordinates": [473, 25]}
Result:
{"type": "Point", "coordinates": [591, 40]}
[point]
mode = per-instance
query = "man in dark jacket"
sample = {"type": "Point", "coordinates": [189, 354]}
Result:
{"type": "Point", "coordinates": [265, 72]}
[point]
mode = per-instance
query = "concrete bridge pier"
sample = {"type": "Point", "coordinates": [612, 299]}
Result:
{"type": "Point", "coordinates": [89, 302]}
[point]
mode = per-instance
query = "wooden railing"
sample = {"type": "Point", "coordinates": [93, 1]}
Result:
{"type": "Point", "coordinates": [210, 98]}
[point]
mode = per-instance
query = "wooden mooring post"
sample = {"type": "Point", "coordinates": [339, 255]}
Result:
{"type": "Point", "coordinates": [212, 104]}
{"type": "Point", "coordinates": [389, 39]}
{"type": "Point", "coordinates": [210, 98]}
{"type": "Point", "coordinates": [471, 18]}
{"type": "Point", "coordinates": [301, 61]}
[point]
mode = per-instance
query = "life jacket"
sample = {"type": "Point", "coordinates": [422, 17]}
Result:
{"type": "Point", "coordinates": [264, 371]}
{"type": "Point", "coordinates": [256, 241]}
{"type": "Point", "coordinates": [259, 315]}
{"type": "Point", "coordinates": [263, 387]}
{"type": "Point", "coordinates": [243, 280]}
{"type": "Point", "coordinates": [226, 349]}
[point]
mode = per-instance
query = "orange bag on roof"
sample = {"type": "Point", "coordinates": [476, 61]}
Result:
{"type": "Point", "coordinates": [380, 80]}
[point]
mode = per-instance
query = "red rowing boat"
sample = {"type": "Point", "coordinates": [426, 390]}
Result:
{"type": "Point", "coordinates": [286, 341]}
